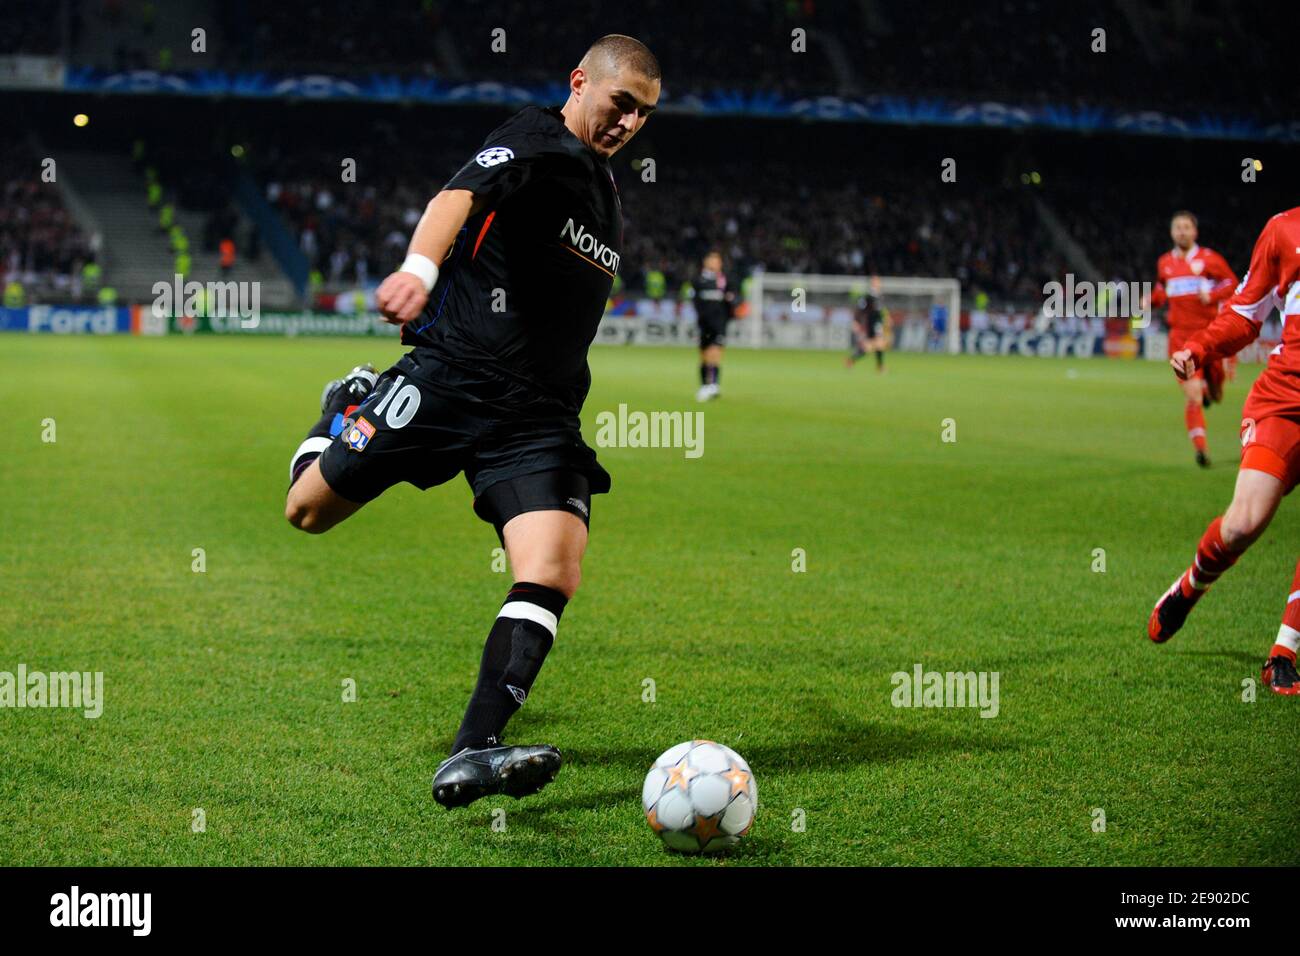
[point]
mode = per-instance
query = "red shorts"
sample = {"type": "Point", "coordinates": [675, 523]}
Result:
{"type": "Point", "coordinates": [1270, 431]}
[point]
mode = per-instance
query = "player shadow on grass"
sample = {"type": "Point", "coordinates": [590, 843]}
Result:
{"type": "Point", "coordinates": [832, 740]}
{"type": "Point", "coordinates": [1244, 657]}
{"type": "Point", "coordinates": [839, 742]}
{"type": "Point", "coordinates": [871, 743]}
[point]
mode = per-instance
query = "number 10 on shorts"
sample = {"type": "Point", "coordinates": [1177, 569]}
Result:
{"type": "Point", "coordinates": [401, 402]}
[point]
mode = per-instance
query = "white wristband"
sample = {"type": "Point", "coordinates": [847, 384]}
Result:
{"type": "Point", "coordinates": [423, 267]}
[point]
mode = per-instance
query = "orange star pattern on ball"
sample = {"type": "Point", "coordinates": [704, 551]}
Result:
{"type": "Point", "coordinates": [680, 775]}
{"type": "Point", "coordinates": [739, 780]}
{"type": "Point", "coordinates": [705, 829]}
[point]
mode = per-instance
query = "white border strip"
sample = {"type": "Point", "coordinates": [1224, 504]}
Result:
{"type": "Point", "coordinates": [524, 610]}
{"type": "Point", "coordinates": [316, 443]}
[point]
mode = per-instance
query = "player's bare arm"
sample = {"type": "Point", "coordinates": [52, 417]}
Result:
{"type": "Point", "coordinates": [401, 297]}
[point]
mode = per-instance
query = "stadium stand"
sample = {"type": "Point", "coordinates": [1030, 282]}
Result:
{"type": "Point", "coordinates": [879, 46]}
{"type": "Point", "coordinates": [770, 193]}
{"type": "Point", "coordinates": [41, 246]}
{"type": "Point", "coordinates": [30, 28]}
{"type": "Point", "coordinates": [864, 219]}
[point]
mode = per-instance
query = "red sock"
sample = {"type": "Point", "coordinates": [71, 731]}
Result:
{"type": "Point", "coordinates": [1288, 636]}
{"type": "Point", "coordinates": [1195, 417]}
{"type": "Point", "coordinates": [1212, 559]}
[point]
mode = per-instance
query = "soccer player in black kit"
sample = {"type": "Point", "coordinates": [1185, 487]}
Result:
{"type": "Point", "coordinates": [503, 287]}
{"type": "Point", "coordinates": [868, 332]}
{"type": "Point", "coordinates": [712, 309]}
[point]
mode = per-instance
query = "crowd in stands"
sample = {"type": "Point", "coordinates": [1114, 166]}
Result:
{"type": "Point", "coordinates": [700, 45]}
{"type": "Point", "coordinates": [179, 176]}
{"type": "Point", "coordinates": [365, 36]}
{"type": "Point", "coordinates": [779, 202]}
{"type": "Point", "coordinates": [786, 209]}
{"type": "Point", "coordinates": [1172, 55]}
{"type": "Point", "coordinates": [36, 29]}
{"type": "Point", "coordinates": [790, 212]}
{"type": "Point", "coordinates": [1117, 203]}
{"type": "Point", "coordinates": [42, 251]}
{"type": "Point", "coordinates": [355, 232]}
{"type": "Point", "coordinates": [789, 209]}
{"type": "Point", "coordinates": [801, 217]}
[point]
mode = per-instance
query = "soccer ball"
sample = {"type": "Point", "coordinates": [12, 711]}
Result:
{"type": "Point", "coordinates": [700, 797]}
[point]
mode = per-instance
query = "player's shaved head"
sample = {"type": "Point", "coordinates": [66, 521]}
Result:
{"type": "Point", "coordinates": [612, 92]}
{"type": "Point", "coordinates": [1184, 214]}
{"type": "Point", "coordinates": [616, 53]}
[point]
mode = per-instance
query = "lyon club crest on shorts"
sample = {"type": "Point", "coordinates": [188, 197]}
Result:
{"type": "Point", "coordinates": [358, 436]}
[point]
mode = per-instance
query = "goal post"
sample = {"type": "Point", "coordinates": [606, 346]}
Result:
{"type": "Point", "coordinates": [793, 310]}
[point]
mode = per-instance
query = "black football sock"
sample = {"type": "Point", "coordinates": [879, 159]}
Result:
{"type": "Point", "coordinates": [715, 374]}
{"type": "Point", "coordinates": [321, 434]}
{"type": "Point", "coordinates": [704, 374]}
{"type": "Point", "coordinates": [880, 359]}
{"type": "Point", "coordinates": [518, 643]}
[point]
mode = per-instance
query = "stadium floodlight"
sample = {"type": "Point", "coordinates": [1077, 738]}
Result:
{"type": "Point", "coordinates": [815, 311]}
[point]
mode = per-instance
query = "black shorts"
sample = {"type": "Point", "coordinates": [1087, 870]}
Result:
{"type": "Point", "coordinates": [410, 430]}
{"type": "Point", "coordinates": [713, 331]}
{"type": "Point", "coordinates": [865, 332]}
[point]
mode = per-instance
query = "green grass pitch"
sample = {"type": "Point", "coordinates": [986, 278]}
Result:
{"type": "Point", "coordinates": [223, 689]}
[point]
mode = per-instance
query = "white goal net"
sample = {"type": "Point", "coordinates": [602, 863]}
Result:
{"type": "Point", "coordinates": [816, 311]}
{"type": "Point", "coordinates": [783, 310]}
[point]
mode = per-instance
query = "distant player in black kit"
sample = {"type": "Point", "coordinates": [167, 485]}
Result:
{"type": "Point", "coordinates": [503, 287]}
{"type": "Point", "coordinates": [868, 332]}
{"type": "Point", "coordinates": [713, 299]}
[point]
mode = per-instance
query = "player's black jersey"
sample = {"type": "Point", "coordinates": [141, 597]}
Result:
{"type": "Point", "coordinates": [867, 315]}
{"type": "Point", "coordinates": [711, 296]}
{"type": "Point", "coordinates": [519, 298]}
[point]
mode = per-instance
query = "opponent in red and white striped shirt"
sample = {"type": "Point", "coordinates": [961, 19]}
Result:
{"type": "Point", "coordinates": [1192, 280]}
{"type": "Point", "coordinates": [1270, 438]}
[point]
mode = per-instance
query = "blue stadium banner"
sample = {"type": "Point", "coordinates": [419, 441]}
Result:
{"type": "Point", "coordinates": [1050, 344]}
{"type": "Point", "coordinates": [67, 319]}
{"type": "Point", "coordinates": [882, 108]}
